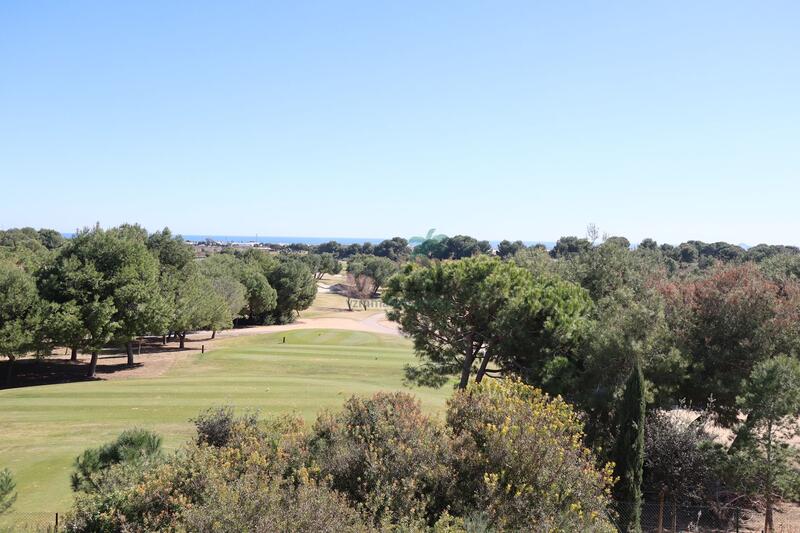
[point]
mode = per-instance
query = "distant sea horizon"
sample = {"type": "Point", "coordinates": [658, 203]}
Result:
{"type": "Point", "coordinates": [277, 239]}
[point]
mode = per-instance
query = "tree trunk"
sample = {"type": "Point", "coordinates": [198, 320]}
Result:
{"type": "Point", "coordinates": [484, 363]}
{"type": "Point", "coordinates": [163, 339]}
{"type": "Point", "coordinates": [93, 365]}
{"type": "Point", "coordinates": [10, 371]}
{"type": "Point", "coordinates": [214, 334]}
{"type": "Point", "coordinates": [129, 349]}
{"type": "Point", "coordinates": [674, 516]}
{"type": "Point", "coordinates": [182, 337]}
{"type": "Point", "coordinates": [466, 368]}
{"type": "Point", "coordinates": [74, 356]}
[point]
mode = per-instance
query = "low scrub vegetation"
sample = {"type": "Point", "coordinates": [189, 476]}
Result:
{"type": "Point", "coordinates": [380, 464]}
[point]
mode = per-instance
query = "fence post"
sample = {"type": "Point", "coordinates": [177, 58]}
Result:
{"type": "Point", "coordinates": [56, 523]}
{"type": "Point", "coordinates": [737, 520]}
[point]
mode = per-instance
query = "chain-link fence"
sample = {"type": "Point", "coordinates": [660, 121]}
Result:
{"type": "Point", "coordinates": [655, 518]}
{"type": "Point", "coordinates": [668, 517]}
{"type": "Point", "coordinates": [21, 522]}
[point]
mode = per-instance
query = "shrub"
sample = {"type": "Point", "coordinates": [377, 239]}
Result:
{"type": "Point", "coordinates": [214, 426]}
{"type": "Point", "coordinates": [386, 456]}
{"type": "Point", "coordinates": [7, 494]}
{"type": "Point", "coordinates": [520, 459]}
{"type": "Point", "coordinates": [161, 497]}
{"type": "Point", "coordinates": [677, 459]}
{"type": "Point", "coordinates": [262, 505]}
{"type": "Point", "coordinates": [131, 446]}
{"type": "Point", "coordinates": [510, 458]}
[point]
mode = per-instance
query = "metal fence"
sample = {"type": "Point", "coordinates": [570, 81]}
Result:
{"type": "Point", "coordinates": [655, 518]}
{"type": "Point", "coordinates": [21, 522]}
{"type": "Point", "coordinates": [670, 518]}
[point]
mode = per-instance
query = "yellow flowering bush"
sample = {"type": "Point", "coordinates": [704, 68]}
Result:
{"type": "Point", "coordinates": [520, 458]}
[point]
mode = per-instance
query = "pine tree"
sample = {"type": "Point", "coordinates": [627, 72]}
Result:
{"type": "Point", "coordinates": [629, 452]}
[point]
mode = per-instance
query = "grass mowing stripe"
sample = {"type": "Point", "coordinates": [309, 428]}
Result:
{"type": "Point", "coordinates": [44, 428]}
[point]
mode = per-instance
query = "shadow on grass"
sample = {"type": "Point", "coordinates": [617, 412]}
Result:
{"type": "Point", "coordinates": [51, 371]}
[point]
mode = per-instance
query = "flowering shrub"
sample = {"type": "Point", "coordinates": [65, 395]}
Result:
{"type": "Point", "coordinates": [520, 458]}
{"type": "Point", "coordinates": [509, 458]}
{"type": "Point", "coordinates": [386, 456]}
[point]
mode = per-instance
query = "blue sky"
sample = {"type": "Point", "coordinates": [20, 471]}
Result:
{"type": "Point", "coordinates": [522, 120]}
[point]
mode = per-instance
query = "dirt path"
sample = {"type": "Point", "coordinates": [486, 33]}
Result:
{"type": "Point", "coordinates": [156, 363]}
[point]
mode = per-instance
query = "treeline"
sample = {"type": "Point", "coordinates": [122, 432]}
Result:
{"type": "Point", "coordinates": [626, 335]}
{"type": "Point", "coordinates": [399, 249]}
{"type": "Point", "coordinates": [105, 287]}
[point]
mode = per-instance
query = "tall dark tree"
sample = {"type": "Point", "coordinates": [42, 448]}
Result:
{"type": "Point", "coordinates": [629, 451]}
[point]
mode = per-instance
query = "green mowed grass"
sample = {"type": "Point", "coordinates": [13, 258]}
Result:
{"type": "Point", "coordinates": [43, 428]}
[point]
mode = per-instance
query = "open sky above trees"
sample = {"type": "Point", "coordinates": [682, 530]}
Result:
{"type": "Point", "coordinates": [519, 120]}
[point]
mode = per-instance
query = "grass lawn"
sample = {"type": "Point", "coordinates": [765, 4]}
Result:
{"type": "Point", "coordinates": [43, 428]}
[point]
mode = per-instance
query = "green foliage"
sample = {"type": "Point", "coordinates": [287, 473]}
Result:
{"type": "Point", "coordinates": [261, 297]}
{"type": "Point", "coordinates": [379, 465]}
{"type": "Point", "coordinates": [770, 401]}
{"type": "Point", "coordinates": [507, 249]}
{"type": "Point", "coordinates": [108, 282]}
{"type": "Point", "coordinates": [629, 450]}
{"type": "Point", "coordinates": [386, 456]}
{"type": "Point", "coordinates": [197, 305]}
{"type": "Point", "coordinates": [321, 264]}
{"type": "Point", "coordinates": [20, 312]}
{"type": "Point", "coordinates": [215, 425]}
{"type": "Point", "coordinates": [678, 458]}
{"type": "Point", "coordinates": [457, 247]}
{"type": "Point", "coordinates": [396, 249]}
{"type": "Point", "coordinates": [257, 504]}
{"type": "Point", "coordinates": [7, 494]}
{"type": "Point", "coordinates": [225, 274]}
{"type": "Point", "coordinates": [172, 252]}
{"type": "Point", "coordinates": [625, 327]}
{"type": "Point", "coordinates": [133, 446]}
{"type": "Point", "coordinates": [377, 269]}
{"type": "Point", "coordinates": [566, 247]}
{"type": "Point", "coordinates": [724, 325]}
{"type": "Point", "coordinates": [519, 458]}
{"type": "Point", "coordinates": [485, 312]}
{"type": "Point", "coordinates": [295, 287]}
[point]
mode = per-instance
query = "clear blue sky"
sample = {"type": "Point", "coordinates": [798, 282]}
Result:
{"type": "Point", "coordinates": [673, 119]}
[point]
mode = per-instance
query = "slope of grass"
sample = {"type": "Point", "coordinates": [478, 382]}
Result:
{"type": "Point", "coordinates": [43, 428]}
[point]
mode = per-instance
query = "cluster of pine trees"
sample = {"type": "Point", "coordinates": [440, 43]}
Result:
{"type": "Point", "coordinates": [113, 286]}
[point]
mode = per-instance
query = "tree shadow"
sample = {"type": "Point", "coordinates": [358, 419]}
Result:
{"type": "Point", "coordinates": [51, 371]}
{"type": "Point", "coordinates": [33, 372]}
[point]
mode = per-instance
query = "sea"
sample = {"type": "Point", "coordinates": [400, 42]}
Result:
{"type": "Point", "coordinates": [283, 239]}
{"type": "Point", "coordinates": [267, 239]}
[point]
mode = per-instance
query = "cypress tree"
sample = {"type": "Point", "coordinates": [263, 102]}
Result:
{"type": "Point", "coordinates": [629, 451]}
